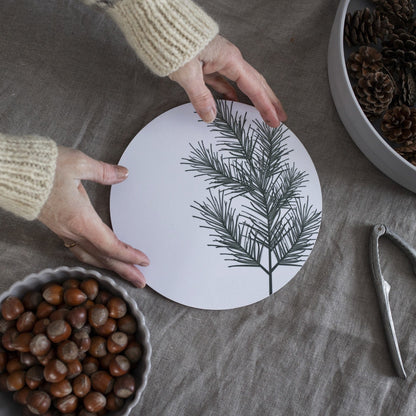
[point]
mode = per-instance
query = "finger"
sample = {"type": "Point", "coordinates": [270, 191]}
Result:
{"type": "Point", "coordinates": [127, 271]}
{"type": "Point", "coordinates": [191, 79]}
{"type": "Point", "coordinates": [256, 88]}
{"type": "Point", "coordinates": [221, 85]}
{"type": "Point", "coordinates": [276, 103]}
{"type": "Point", "coordinates": [101, 240]}
{"type": "Point", "coordinates": [89, 230]}
{"type": "Point", "coordinates": [98, 171]}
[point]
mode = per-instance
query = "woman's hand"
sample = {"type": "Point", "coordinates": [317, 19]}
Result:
{"type": "Point", "coordinates": [68, 213]}
{"type": "Point", "coordinates": [217, 62]}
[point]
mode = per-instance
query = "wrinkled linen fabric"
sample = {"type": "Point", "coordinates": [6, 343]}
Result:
{"type": "Point", "coordinates": [316, 347]}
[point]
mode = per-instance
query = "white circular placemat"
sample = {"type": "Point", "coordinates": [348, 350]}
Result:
{"type": "Point", "coordinates": [227, 212]}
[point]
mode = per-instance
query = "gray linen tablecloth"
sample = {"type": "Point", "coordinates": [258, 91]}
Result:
{"type": "Point", "coordinates": [316, 347]}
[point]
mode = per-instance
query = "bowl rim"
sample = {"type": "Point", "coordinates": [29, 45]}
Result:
{"type": "Point", "coordinates": [147, 350]}
{"type": "Point", "coordinates": [340, 39]}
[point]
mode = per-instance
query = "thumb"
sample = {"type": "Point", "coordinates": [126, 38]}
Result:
{"type": "Point", "coordinates": [101, 172]}
{"type": "Point", "coordinates": [190, 77]}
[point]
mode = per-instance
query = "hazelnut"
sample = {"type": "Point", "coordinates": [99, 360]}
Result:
{"type": "Point", "coordinates": [98, 347]}
{"type": "Point", "coordinates": [44, 359]}
{"type": "Point", "coordinates": [77, 317]}
{"type": "Point", "coordinates": [105, 361]}
{"type": "Point", "coordinates": [127, 324]}
{"type": "Point", "coordinates": [103, 297]}
{"type": "Point", "coordinates": [67, 351]}
{"type": "Point", "coordinates": [3, 360]}
{"type": "Point", "coordinates": [117, 342]}
{"type": "Point", "coordinates": [124, 386]}
{"type": "Point", "coordinates": [82, 339]}
{"type": "Point", "coordinates": [22, 342]}
{"type": "Point", "coordinates": [16, 380]}
{"type": "Point", "coordinates": [31, 300]}
{"type": "Point", "coordinates": [81, 385]}
{"type": "Point", "coordinates": [67, 404]}
{"type": "Point", "coordinates": [94, 401]}
{"type": "Point", "coordinates": [97, 315]}
{"type": "Point", "coordinates": [70, 283]}
{"type": "Point", "coordinates": [90, 288]}
{"type": "Point", "coordinates": [26, 321]}
{"type": "Point", "coordinates": [28, 359]}
{"type": "Point", "coordinates": [34, 377]}
{"type": "Point", "coordinates": [9, 338]}
{"type": "Point", "coordinates": [20, 396]}
{"type": "Point", "coordinates": [3, 381]}
{"type": "Point", "coordinates": [61, 389]}
{"type": "Point", "coordinates": [53, 294]}
{"type": "Point", "coordinates": [117, 308]}
{"type": "Point", "coordinates": [40, 326]}
{"type": "Point", "coordinates": [5, 325]}
{"type": "Point", "coordinates": [55, 371]}
{"type": "Point", "coordinates": [102, 382]}
{"type": "Point", "coordinates": [74, 369]}
{"type": "Point", "coordinates": [39, 345]}
{"type": "Point", "coordinates": [84, 412]}
{"type": "Point", "coordinates": [119, 366]}
{"type": "Point", "coordinates": [59, 314]}
{"type": "Point", "coordinates": [38, 402]}
{"type": "Point", "coordinates": [90, 365]}
{"type": "Point", "coordinates": [14, 364]}
{"type": "Point", "coordinates": [58, 331]}
{"type": "Point", "coordinates": [133, 351]}
{"type": "Point", "coordinates": [12, 308]}
{"type": "Point", "coordinates": [44, 309]}
{"type": "Point", "coordinates": [107, 329]}
{"type": "Point", "coordinates": [114, 403]}
{"type": "Point", "coordinates": [74, 296]}
{"type": "Point", "coordinates": [88, 303]}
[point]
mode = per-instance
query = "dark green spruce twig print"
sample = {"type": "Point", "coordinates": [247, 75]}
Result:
{"type": "Point", "coordinates": [273, 225]}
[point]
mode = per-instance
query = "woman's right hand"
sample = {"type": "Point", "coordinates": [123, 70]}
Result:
{"type": "Point", "coordinates": [68, 212]}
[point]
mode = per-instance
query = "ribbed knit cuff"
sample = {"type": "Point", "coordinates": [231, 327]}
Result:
{"type": "Point", "coordinates": [165, 34]}
{"type": "Point", "coordinates": [27, 171]}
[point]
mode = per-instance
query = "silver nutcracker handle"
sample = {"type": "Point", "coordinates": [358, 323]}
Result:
{"type": "Point", "coordinates": [383, 289]}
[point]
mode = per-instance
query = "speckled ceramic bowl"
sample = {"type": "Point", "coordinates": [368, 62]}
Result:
{"type": "Point", "coordinates": [364, 134]}
{"type": "Point", "coordinates": [37, 280]}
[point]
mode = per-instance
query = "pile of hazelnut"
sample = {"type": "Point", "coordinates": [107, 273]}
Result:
{"type": "Point", "coordinates": [68, 349]}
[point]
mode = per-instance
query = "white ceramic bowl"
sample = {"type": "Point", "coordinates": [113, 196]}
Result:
{"type": "Point", "coordinates": [364, 134]}
{"type": "Point", "coordinates": [37, 280]}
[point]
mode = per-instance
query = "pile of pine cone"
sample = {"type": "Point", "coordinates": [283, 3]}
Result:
{"type": "Point", "coordinates": [383, 69]}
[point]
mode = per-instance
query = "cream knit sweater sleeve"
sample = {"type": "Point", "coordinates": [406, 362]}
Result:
{"type": "Point", "coordinates": [165, 34]}
{"type": "Point", "coordinates": [27, 170]}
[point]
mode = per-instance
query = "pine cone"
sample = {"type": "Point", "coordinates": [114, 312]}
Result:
{"type": "Point", "coordinates": [412, 27]}
{"type": "Point", "coordinates": [399, 50]}
{"type": "Point", "coordinates": [408, 151]}
{"type": "Point", "coordinates": [374, 93]}
{"type": "Point", "coordinates": [398, 12]}
{"type": "Point", "coordinates": [363, 62]}
{"type": "Point", "coordinates": [407, 94]}
{"type": "Point", "coordinates": [399, 124]}
{"type": "Point", "coordinates": [365, 27]}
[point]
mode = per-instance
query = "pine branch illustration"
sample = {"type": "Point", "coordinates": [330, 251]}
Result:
{"type": "Point", "coordinates": [292, 244]}
{"type": "Point", "coordinates": [275, 226]}
{"type": "Point", "coordinates": [228, 231]}
{"type": "Point", "coordinates": [271, 151]}
{"type": "Point", "coordinates": [236, 139]}
{"type": "Point", "coordinates": [218, 171]}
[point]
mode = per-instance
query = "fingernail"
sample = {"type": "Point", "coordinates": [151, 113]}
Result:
{"type": "Point", "coordinates": [209, 116]}
{"type": "Point", "coordinates": [144, 261]}
{"type": "Point", "coordinates": [122, 172]}
{"type": "Point", "coordinates": [141, 284]}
